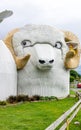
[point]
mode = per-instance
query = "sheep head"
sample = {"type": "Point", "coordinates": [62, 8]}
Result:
{"type": "Point", "coordinates": [44, 39]}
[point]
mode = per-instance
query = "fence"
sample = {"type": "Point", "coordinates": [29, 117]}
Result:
{"type": "Point", "coordinates": [73, 111]}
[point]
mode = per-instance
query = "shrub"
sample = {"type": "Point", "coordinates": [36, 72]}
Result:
{"type": "Point", "coordinates": [46, 98]}
{"type": "Point", "coordinates": [72, 78]}
{"type": "Point", "coordinates": [21, 98]}
{"type": "Point", "coordinates": [36, 97]}
{"type": "Point", "coordinates": [31, 99]}
{"type": "Point", "coordinates": [2, 103]}
{"type": "Point", "coordinates": [11, 99]}
{"type": "Point", "coordinates": [42, 98]}
{"type": "Point", "coordinates": [53, 98]}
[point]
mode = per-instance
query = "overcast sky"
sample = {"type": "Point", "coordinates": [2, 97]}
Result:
{"type": "Point", "coordinates": [63, 14]}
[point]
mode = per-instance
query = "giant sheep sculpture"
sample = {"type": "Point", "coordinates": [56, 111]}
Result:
{"type": "Point", "coordinates": [8, 73]}
{"type": "Point", "coordinates": [43, 55]}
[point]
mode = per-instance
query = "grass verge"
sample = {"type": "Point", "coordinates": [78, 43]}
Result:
{"type": "Point", "coordinates": [77, 119]}
{"type": "Point", "coordinates": [33, 115]}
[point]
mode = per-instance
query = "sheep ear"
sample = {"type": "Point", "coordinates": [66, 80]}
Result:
{"type": "Point", "coordinates": [20, 62]}
{"type": "Point", "coordinates": [72, 44]}
{"type": "Point", "coordinates": [72, 57]}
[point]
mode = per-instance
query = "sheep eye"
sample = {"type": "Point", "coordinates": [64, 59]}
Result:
{"type": "Point", "coordinates": [26, 43]}
{"type": "Point", "coordinates": [58, 45]}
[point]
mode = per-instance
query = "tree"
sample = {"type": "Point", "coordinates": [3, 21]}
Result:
{"type": "Point", "coordinates": [74, 76]}
{"type": "Point", "coordinates": [74, 73]}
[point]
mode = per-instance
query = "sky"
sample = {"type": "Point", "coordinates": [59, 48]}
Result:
{"type": "Point", "coordinates": [63, 14]}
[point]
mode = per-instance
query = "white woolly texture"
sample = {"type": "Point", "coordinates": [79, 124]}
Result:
{"type": "Point", "coordinates": [8, 73]}
{"type": "Point", "coordinates": [44, 74]}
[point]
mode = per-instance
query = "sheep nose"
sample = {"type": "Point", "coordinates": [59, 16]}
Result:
{"type": "Point", "coordinates": [51, 61]}
{"type": "Point", "coordinates": [43, 61]}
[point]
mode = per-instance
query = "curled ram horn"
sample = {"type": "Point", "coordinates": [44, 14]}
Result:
{"type": "Point", "coordinates": [73, 55]}
{"type": "Point", "coordinates": [20, 61]}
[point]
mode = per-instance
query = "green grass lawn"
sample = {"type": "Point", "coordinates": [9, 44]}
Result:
{"type": "Point", "coordinates": [72, 92]}
{"type": "Point", "coordinates": [33, 115]}
{"type": "Point", "coordinates": [76, 119]}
